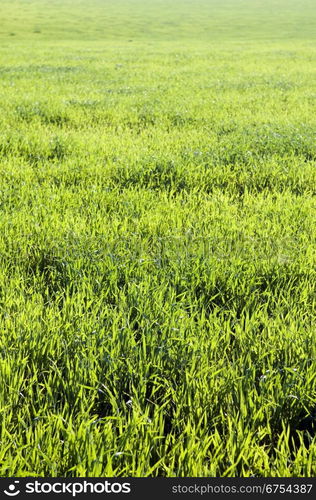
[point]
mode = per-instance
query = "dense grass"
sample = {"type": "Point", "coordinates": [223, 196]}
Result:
{"type": "Point", "coordinates": [157, 238]}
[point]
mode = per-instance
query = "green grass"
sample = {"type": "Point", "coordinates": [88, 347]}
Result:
{"type": "Point", "coordinates": [157, 237]}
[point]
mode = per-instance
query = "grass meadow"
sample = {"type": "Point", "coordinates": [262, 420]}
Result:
{"type": "Point", "coordinates": [157, 238]}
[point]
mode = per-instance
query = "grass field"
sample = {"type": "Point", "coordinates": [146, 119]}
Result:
{"type": "Point", "coordinates": [157, 237]}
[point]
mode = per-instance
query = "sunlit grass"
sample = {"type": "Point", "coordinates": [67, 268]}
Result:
{"type": "Point", "coordinates": [157, 238]}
